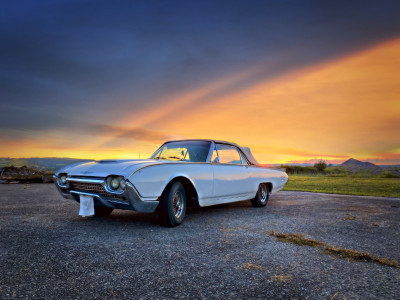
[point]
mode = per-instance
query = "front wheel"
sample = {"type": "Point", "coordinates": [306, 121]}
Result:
{"type": "Point", "coordinates": [262, 196]}
{"type": "Point", "coordinates": [172, 208]}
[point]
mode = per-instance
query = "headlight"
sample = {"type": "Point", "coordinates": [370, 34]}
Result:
{"type": "Point", "coordinates": [114, 183]}
{"type": "Point", "coordinates": [63, 180]}
{"type": "Point", "coordinates": [122, 184]}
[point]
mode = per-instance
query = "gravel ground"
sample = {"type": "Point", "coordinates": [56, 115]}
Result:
{"type": "Point", "coordinates": [220, 252]}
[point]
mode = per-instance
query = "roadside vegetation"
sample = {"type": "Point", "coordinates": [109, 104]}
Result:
{"type": "Point", "coordinates": [25, 174]}
{"type": "Point", "coordinates": [322, 169]}
{"type": "Point", "coordinates": [373, 186]}
{"type": "Point", "coordinates": [352, 179]}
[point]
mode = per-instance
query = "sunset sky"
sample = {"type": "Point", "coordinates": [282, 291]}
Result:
{"type": "Point", "coordinates": [296, 81]}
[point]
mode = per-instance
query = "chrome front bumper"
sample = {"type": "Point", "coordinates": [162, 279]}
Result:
{"type": "Point", "coordinates": [133, 200]}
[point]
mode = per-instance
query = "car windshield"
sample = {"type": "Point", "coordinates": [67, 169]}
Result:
{"type": "Point", "coordinates": [193, 151]}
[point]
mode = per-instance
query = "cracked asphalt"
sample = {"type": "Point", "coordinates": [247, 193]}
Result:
{"type": "Point", "coordinates": [223, 252]}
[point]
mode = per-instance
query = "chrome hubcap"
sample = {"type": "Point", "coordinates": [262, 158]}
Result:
{"type": "Point", "coordinates": [263, 193]}
{"type": "Point", "coordinates": [177, 204]}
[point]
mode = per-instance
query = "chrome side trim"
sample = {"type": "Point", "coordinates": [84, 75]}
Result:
{"type": "Point", "coordinates": [168, 163]}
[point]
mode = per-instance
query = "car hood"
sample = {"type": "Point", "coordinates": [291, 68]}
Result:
{"type": "Point", "coordinates": [104, 168]}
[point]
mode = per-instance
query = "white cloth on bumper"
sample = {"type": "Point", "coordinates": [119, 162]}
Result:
{"type": "Point", "coordinates": [87, 206]}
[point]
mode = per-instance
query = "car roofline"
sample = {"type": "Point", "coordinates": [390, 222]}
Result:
{"type": "Point", "coordinates": [216, 142]}
{"type": "Point", "coordinates": [204, 140]}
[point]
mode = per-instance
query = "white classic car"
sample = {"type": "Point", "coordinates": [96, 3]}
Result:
{"type": "Point", "coordinates": [178, 174]}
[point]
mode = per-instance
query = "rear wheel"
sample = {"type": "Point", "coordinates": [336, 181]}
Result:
{"type": "Point", "coordinates": [102, 211]}
{"type": "Point", "coordinates": [172, 208]}
{"type": "Point", "coordinates": [262, 196]}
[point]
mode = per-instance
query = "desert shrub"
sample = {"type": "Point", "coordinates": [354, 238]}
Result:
{"type": "Point", "coordinates": [320, 166]}
{"type": "Point", "coordinates": [299, 169]}
{"type": "Point", "coordinates": [388, 174]}
{"type": "Point", "coordinates": [336, 171]}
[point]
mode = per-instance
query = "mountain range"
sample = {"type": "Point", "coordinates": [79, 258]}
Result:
{"type": "Point", "coordinates": [354, 166]}
{"type": "Point", "coordinates": [54, 163]}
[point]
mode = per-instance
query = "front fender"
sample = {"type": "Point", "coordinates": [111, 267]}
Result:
{"type": "Point", "coordinates": [151, 181]}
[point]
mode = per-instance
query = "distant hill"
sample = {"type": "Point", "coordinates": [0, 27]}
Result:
{"type": "Point", "coordinates": [360, 168]}
{"type": "Point", "coordinates": [355, 166]}
{"type": "Point", "coordinates": [351, 167]}
{"type": "Point", "coordinates": [47, 163]}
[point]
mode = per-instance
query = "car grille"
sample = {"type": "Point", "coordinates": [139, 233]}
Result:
{"type": "Point", "coordinates": [94, 188]}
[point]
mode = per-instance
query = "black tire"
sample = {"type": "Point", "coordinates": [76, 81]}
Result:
{"type": "Point", "coordinates": [172, 209]}
{"type": "Point", "coordinates": [262, 196]}
{"type": "Point", "coordinates": [102, 211]}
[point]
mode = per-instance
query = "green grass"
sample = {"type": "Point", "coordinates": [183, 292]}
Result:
{"type": "Point", "coordinates": [382, 187]}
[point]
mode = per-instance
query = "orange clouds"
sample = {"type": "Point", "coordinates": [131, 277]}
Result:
{"type": "Point", "coordinates": [349, 107]}
{"type": "Point", "coordinates": [335, 110]}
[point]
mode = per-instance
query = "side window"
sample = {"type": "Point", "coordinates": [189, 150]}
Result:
{"type": "Point", "coordinates": [244, 161]}
{"type": "Point", "coordinates": [214, 157]}
{"type": "Point", "coordinates": [228, 155]}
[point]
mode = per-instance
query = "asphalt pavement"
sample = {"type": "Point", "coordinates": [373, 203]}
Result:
{"type": "Point", "coordinates": [222, 252]}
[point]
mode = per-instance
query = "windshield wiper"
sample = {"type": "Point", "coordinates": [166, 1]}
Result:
{"type": "Point", "coordinates": [169, 157]}
{"type": "Point", "coordinates": [175, 157]}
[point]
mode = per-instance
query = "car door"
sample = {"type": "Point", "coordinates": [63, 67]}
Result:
{"type": "Point", "coordinates": [231, 176]}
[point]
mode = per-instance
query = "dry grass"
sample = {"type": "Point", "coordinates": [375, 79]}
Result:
{"type": "Point", "coordinates": [358, 255]}
{"type": "Point", "coordinates": [337, 295]}
{"type": "Point", "coordinates": [349, 254]}
{"type": "Point", "coordinates": [349, 217]}
{"type": "Point", "coordinates": [295, 238]}
{"type": "Point", "coordinates": [227, 229]}
{"type": "Point", "coordinates": [249, 266]}
{"type": "Point", "coordinates": [282, 277]}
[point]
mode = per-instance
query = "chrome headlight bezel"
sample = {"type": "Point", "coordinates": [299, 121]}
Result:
{"type": "Point", "coordinates": [113, 188]}
{"type": "Point", "coordinates": [62, 180]}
